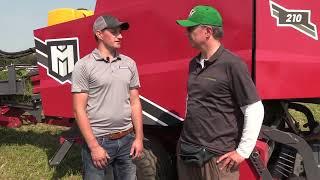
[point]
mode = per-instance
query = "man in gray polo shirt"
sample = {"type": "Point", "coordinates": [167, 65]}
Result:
{"type": "Point", "coordinates": [107, 105]}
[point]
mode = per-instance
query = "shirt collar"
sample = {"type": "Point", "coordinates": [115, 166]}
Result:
{"type": "Point", "coordinates": [97, 56]}
{"type": "Point", "coordinates": [217, 54]}
{"type": "Point", "coordinates": [214, 57]}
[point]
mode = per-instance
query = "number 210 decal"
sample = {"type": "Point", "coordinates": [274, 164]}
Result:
{"type": "Point", "coordinates": [297, 19]}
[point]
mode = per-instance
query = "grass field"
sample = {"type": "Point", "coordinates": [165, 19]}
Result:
{"type": "Point", "coordinates": [25, 151]}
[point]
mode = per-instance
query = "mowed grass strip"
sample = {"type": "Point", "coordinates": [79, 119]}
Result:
{"type": "Point", "coordinates": [25, 152]}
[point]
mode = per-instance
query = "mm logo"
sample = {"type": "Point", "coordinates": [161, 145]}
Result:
{"type": "Point", "coordinates": [297, 19]}
{"type": "Point", "coordinates": [62, 56]}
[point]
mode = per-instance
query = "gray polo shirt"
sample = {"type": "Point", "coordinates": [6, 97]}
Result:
{"type": "Point", "coordinates": [107, 84]}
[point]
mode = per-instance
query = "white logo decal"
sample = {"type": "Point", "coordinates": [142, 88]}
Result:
{"type": "Point", "coordinates": [191, 12]}
{"type": "Point", "coordinates": [62, 56]}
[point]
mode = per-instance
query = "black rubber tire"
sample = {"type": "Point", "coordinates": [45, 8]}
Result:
{"type": "Point", "coordinates": [155, 163]}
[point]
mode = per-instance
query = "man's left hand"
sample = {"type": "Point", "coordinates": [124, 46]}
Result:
{"type": "Point", "coordinates": [136, 148]}
{"type": "Point", "coordinates": [230, 160]}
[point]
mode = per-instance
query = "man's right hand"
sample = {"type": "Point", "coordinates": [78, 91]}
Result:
{"type": "Point", "coordinates": [99, 157]}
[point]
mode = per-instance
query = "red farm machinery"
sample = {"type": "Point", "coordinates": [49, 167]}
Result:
{"type": "Point", "coordinates": [278, 40]}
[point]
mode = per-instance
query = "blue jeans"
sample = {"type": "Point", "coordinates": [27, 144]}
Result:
{"type": "Point", "coordinates": [120, 165]}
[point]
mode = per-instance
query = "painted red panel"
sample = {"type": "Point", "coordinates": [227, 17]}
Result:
{"type": "Point", "coordinates": [155, 42]}
{"type": "Point", "coordinates": [288, 61]}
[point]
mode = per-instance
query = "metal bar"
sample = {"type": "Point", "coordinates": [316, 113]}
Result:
{"type": "Point", "coordinates": [254, 39]}
{"type": "Point", "coordinates": [290, 167]}
{"type": "Point", "coordinates": [61, 153]}
{"type": "Point", "coordinates": [288, 155]}
{"type": "Point", "coordinates": [286, 159]}
{"type": "Point", "coordinates": [12, 79]}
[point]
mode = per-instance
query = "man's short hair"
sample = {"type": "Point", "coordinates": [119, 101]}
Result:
{"type": "Point", "coordinates": [217, 32]}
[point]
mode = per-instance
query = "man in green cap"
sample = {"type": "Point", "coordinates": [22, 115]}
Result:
{"type": "Point", "coordinates": [224, 112]}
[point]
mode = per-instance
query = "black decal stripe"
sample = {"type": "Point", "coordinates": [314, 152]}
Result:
{"type": "Point", "coordinates": [40, 46]}
{"type": "Point", "coordinates": [310, 26]}
{"type": "Point", "coordinates": [149, 121]}
{"type": "Point", "coordinates": [159, 114]}
{"type": "Point", "coordinates": [305, 29]}
{"type": "Point", "coordinates": [41, 59]}
{"type": "Point", "coordinates": [274, 7]}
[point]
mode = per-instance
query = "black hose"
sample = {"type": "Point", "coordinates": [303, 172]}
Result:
{"type": "Point", "coordinates": [27, 51]}
{"type": "Point", "coordinates": [16, 55]}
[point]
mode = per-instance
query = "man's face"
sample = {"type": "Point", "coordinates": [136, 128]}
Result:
{"type": "Point", "coordinates": [198, 35]}
{"type": "Point", "coordinates": [111, 37]}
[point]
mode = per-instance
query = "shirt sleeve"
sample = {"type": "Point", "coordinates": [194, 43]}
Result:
{"type": "Point", "coordinates": [134, 82]}
{"type": "Point", "coordinates": [253, 118]}
{"type": "Point", "coordinates": [242, 86]}
{"type": "Point", "coordinates": [80, 78]}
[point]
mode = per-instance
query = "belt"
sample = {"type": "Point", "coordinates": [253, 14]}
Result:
{"type": "Point", "coordinates": [118, 135]}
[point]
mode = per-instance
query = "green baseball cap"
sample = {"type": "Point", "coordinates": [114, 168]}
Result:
{"type": "Point", "coordinates": [204, 15]}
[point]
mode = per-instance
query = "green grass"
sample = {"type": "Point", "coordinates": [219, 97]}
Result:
{"type": "Point", "coordinates": [25, 152]}
{"type": "Point", "coordinates": [301, 118]}
{"type": "Point", "coordinates": [3, 75]}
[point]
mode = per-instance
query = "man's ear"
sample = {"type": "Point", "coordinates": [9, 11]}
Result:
{"type": "Point", "coordinates": [99, 35]}
{"type": "Point", "coordinates": [209, 32]}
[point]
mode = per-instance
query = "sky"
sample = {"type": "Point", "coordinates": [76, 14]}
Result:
{"type": "Point", "coordinates": [18, 19]}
